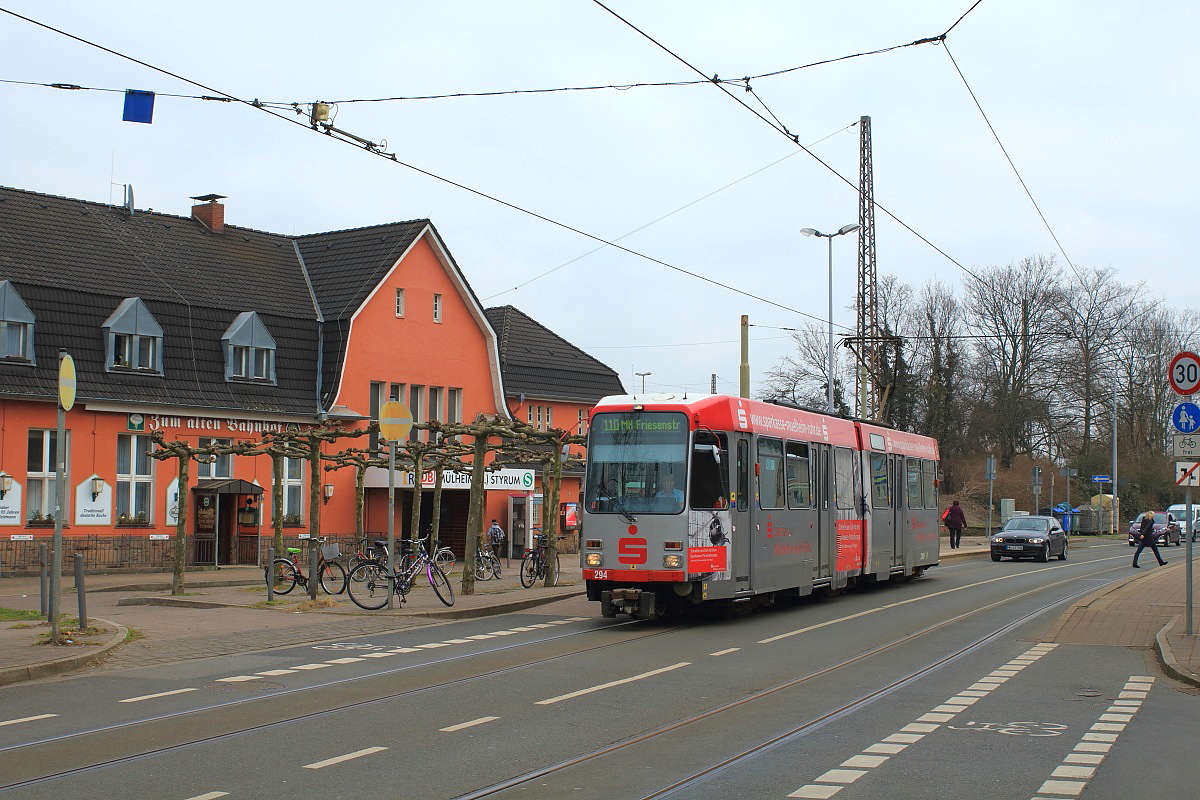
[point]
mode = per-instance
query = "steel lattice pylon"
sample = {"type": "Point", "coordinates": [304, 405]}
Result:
{"type": "Point", "coordinates": [868, 338]}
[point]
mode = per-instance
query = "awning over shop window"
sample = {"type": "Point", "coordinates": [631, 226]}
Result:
{"type": "Point", "coordinates": [227, 486]}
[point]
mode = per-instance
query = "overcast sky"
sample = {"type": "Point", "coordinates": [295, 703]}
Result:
{"type": "Point", "coordinates": [1094, 102]}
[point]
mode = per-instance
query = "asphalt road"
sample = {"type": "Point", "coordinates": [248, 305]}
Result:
{"type": "Point", "coordinates": [940, 688]}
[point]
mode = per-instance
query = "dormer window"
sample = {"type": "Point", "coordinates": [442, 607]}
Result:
{"type": "Point", "coordinates": [249, 350]}
{"type": "Point", "coordinates": [16, 326]}
{"type": "Point", "coordinates": [133, 339]}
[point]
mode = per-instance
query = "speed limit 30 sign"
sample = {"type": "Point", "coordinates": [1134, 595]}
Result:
{"type": "Point", "coordinates": [1184, 373]}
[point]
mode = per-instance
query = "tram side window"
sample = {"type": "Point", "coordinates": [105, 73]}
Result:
{"type": "Point", "coordinates": [914, 484]}
{"type": "Point", "coordinates": [881, 492]}
{"type": "Point", "coordinates": [843, 477]}
{"type": "Point", "coordinates": [709, 484]}
{"type": "Point", "coordinates": [770, 473]}
{"type": "Point", "coordinates": [928, 484]}
{"type": "Point", "coordinates": [799, 476]}
{"type": "Point", "coordinates": [743, 474]}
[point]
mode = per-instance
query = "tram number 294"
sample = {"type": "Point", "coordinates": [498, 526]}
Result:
{"type": "Point", "coordinates": [600, 574]}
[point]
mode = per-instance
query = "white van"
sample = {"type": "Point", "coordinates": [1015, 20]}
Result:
{"type": "Point", "coordinates": [1187, 527]}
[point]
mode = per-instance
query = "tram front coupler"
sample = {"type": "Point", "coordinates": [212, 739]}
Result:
{"type": "Point", "coordinates": [637, 603]}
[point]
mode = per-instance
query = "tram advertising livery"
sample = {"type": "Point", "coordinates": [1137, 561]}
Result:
{"type": "Point", "coordinates": [719, 500]}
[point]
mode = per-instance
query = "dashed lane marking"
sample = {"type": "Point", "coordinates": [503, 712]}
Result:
{"type": "Point", "coordinates": [610, 684]}
{"type": "Point", "coordinates": [725, 652]}
{"type": "Point", "coordinates": [1071, 777]}
{"type": "Point", "coordinates": [140, 698]}
{"type": "Point", "coordinates": [471, 724]}
{"type": "Point", "coordinates": [329, 762]}
{"type": "Point", "coordinates": [26, 719]}
{"type": "Point", "coordinates": [833, 781]}
{"type": "Point", "coordinates": [209, 796]}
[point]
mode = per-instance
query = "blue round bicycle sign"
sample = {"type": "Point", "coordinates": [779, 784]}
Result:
{"type": "Point", "coordinates": [1186, 417]}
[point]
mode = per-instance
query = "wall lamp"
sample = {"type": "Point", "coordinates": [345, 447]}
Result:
{"type": "Point", "coordinates": [6, 482]}
{"type": "Point", "coordinates": [328, 491]}
{"type": "Point", "coordinates": [97, 487]}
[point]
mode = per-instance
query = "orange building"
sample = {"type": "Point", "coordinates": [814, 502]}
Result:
{"type": "Point", "coordinates": [212, 333]}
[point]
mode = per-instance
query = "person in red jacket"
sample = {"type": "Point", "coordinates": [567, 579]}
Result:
{"type": "Point", "coordinates": [955, 520]}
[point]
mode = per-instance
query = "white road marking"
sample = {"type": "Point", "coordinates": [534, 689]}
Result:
{"type": "Point", "coordinates": [842, 775]}
{"type": "Point", "coordinates": [26, 719]}
{"type": "Point", "coordinates": [311, 666]}
{"type": "Point", "coordinates": [431, 645]}
{"type": "Point", "coordinates": [273, 673]}
{"type": "Point", "coordinates": [482, 636]}
{"type": "Point", "coordinates": [458, 641]}
{"type": "Point", "coordinates": [209, 796]}
{"type": "Point", "coordinates": [1073, 788]}
{"type": "Point", "coordinates": [239, 679]}
{"type": "Point", "coordinates": [154, 696]}
{"type": "Point", "coordinates": [611, 684]}
{"type": "Point", "coordinates": [346, 660]}
{"type": "Point", "coordinates": [379, 655]}
{"type": "Point", "coordinates": [726, 651]}
{"type": "Point", "coordinates": [339, 759]}
{"type": "Point", "coordinates": [864, 761]}
{"type": "Point", "coordinates": [814, 792]}
{"type": "Point", "coordinates": [460, 726]}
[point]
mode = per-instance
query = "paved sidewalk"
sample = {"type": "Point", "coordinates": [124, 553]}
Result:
{"type": "Point", "coordinates": [137, 622]}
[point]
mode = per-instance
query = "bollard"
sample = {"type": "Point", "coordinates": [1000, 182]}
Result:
{"type": "Point", "coordinates": [80, 592]}
{"type": "Point", "coordinates": [270, 574]}
{"type": "Point", "coordinates": [43, 557]}
{"type": "Point", "coordinates": [313, 578]}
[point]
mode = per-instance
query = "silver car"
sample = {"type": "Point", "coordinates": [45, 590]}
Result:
{"type": "Point", "coordinates": [1033, 537]}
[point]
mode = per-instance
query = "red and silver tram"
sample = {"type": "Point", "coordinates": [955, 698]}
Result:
{"type": "Point", "coordinates": [713, 499]}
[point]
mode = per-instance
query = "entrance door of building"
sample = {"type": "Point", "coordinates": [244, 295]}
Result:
{"type": "Point", "coordinates": [217, 522]}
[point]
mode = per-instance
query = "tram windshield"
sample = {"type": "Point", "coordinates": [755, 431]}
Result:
{"type": "Point", "coordinates": [637, 462]}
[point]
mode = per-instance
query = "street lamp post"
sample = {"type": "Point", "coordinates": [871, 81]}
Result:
{"type": "Point", "coordinates": [829, 356]}
{"type": "Point", "coordinates": [643, 375]}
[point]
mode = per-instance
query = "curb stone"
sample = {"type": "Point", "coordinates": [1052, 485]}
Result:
{"type": "Point", "coordinates": [46, 669]}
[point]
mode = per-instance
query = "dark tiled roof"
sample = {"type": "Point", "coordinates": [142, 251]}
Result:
{"type": "Point", "coordinates": [540, 364]}
{"type": "Point", "coordinates": [73, 262]}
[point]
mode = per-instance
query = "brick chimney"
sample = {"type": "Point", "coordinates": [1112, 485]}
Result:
{"type": "Point", "coordinates": [209, 213]}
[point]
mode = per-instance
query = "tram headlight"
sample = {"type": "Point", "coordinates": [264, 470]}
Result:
{"type": "Point", "coordinates": [595, 559]}
{"type": "Point", "coordinates": [673, 561]}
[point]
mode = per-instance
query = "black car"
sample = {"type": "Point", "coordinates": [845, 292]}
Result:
{"type": "Point", "coordinates": [1166, 530]}
{"type": "Point", "coordinates": [1030, 537]}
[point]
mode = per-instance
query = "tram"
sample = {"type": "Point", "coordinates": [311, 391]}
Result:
{"type": "Point", "coordinates": [714, 500]}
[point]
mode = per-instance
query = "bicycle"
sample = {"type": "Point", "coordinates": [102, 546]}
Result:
{"type": "Point", "coordinates": [445, 559]}
{"type": "Point", "coordinates": [372, 590]}
{"type": "Point", "coordinates": [533, 564]}
{"type": "Point", "coordinates": [487, 564]}
{"type": "Point", "coordinates": [284, 573]}
{"type": "Point", "coordinates": [375, 553]}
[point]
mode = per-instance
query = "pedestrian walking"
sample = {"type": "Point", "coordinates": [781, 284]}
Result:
{"type": "Point", "coordinates": [1146, 538]}
{"type": "Point", "coordinates": [955, 519]}
{"type": "Point", "coordinates": [495, 536]}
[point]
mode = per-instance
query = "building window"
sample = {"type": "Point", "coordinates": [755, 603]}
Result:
{"type": "Point", "coordinates": [437, 308]}
{"type": "Point", "coordinates": [249, 350]}
{"type": "Point", "coordinates": [16, 325]}
{"type": "Point", "coordinates": [454, 405]}
{"type": "Point", "coordinates": [399, 302]}
{"type": "Point", "coordinates": [581, 427]}
{"type": "Point", "coordinates": [396, 392]}
{"type": "Point", "coordinates": [549, 424]}
{"type": "Point", "coordinates": [215, 466]}
{"type": "Point", "coordinates": [133, 339]}
{"type": "Point", "coordinates": [41, 467]}
{"type": "Point", "coordinates": [416, 407]}
{"type": "Point", "coordinates": [135, 478]}
{"type": "Point", "coordinates": [293, 491]}
{"type": "Point", "coordinates": [435, 403]}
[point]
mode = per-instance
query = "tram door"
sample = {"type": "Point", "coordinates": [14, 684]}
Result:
{"type": "Point", "coordinates": [826, 513]}
{"type": "Point", "coordinates": [743, 526]}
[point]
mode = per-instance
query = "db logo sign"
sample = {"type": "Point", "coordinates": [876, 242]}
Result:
{"type": "Point", "coordinates": [631, 550]}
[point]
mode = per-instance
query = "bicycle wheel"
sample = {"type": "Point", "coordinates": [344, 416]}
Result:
{"type": "Point", "coordinates": [333, 577]}
{"type": "Point", "coordinates": [494, 565]}
{"type": "Point", "coordinates": [483, 569]}
{"type": "Point", "coordinates": [529, 570]}
{"type": "Point", "coordinates": [445, 559]}
{"type": "Point", "coordinates": [282, 576]}
{"type": "Point", "coordinates": [372, 589]}
{"type": "Point", "coordinates": [440, 583]}
{"type": "Point", "coordinates": [557, 569]}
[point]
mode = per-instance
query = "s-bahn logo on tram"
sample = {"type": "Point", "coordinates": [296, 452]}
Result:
{"type": "Point", "coordinates": [686, 499]}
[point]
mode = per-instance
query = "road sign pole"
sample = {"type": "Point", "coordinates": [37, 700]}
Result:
{"type": "Point", "coordinates": [391, 446]}
{"type": "Point", "coordinates": [1187, 594]}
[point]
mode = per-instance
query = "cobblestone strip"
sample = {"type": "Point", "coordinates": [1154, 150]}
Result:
{"type": "Point", "coordinates": [1070, 778]}
{"type": "Point", "coordinates": [833, 781]}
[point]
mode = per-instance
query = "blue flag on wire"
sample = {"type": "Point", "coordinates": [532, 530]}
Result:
{"type": "Point", "coordinates": [139, 106]}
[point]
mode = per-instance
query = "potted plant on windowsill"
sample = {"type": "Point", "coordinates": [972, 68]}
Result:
{"type": "Point", "coordinates": [291, 520]}
{"type": "Point", "coordinates": [38, 520]}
